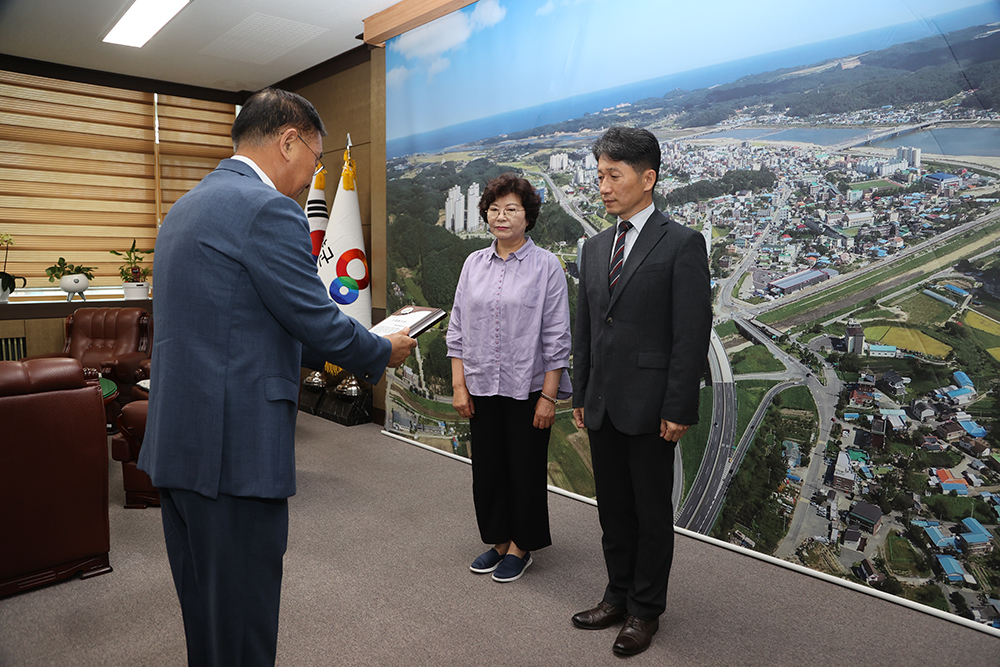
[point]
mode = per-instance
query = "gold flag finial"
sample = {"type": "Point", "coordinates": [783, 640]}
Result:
{"type": "Point", "coordinates": [348, 174]}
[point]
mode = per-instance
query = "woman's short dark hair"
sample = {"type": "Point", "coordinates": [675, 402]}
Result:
{"type": "Point", "coordinates": [511, 183]}
{"type": "Point", "coordinates": [270, 110]}
{"type": "Point", "coordinates": [636, 147]}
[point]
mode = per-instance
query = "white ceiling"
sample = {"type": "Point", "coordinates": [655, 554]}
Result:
{"type": "Point", "coordinates": [230, 45]}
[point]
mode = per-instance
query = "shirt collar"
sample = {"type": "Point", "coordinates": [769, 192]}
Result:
{"type": "Point", "coordinates": [253, 165]}
{"type": "Point", "coordinates": [640, 218]}
{"type": "Point", "coordinates": [518, 254]}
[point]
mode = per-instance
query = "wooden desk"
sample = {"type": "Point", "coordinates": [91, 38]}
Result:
{"type": "Point", "coordinates": [40, 310]}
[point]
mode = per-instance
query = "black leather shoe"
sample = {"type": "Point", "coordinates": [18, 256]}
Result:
{"type": "Point", "coordinates": [635, 636]}
{"type": "Point", "coordinates": [602, 616]}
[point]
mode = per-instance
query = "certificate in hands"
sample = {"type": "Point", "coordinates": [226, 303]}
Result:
{"type": "Point", "coordinates": [418, 318]}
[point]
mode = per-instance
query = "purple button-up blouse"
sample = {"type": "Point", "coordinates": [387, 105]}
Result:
{"type": "Point", "coordinates": [510, 322]}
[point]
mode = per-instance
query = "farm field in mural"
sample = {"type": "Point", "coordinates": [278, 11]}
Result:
{"type": "Point", "coordinates": [849, 193]}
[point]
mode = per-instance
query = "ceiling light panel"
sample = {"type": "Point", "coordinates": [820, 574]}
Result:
{"type": "Point", "coordinates": [143, 19]}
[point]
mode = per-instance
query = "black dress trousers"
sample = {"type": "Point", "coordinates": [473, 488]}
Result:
{"type": "Point", "coordinates": [510, 472]}
{"type": "Point", "coordinates": [226, 560]}
{"type": "Point", "coordinates": [634, 478]}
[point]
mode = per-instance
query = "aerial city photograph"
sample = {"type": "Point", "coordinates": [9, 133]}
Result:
{"type": "Point", "coordinates": [843, 165]}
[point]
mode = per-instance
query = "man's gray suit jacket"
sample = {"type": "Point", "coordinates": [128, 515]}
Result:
{"type": "Point", "coordinates": [236, 297]}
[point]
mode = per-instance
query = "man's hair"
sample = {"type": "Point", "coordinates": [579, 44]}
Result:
{"type": "Point", "coordinates": [511, 183]}
{"type": "Point", "coordinates": [271, 110]}
{"type": "Point", "coordinates": [634, 146]}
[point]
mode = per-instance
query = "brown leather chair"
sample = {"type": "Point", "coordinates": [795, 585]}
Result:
{"type": "Point", "coordinates": [110, 342]}
{"type": "Point", "coordinates": [141, 373]}
{"type": "Point", "coordinates": [125, 445]}
{"type": "Point", "coordinates": [53, 475]}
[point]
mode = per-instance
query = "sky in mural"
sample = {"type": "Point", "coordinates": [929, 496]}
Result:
{"type": "Point", "coordinates": [556, 49]}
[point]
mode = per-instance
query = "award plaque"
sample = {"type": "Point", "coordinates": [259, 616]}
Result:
{"type": "Point", "coordinates": [418, 318]}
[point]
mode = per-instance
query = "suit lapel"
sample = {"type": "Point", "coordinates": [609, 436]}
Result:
{"type": "Point", "coordinates": [601, 246]}
{"type": "Point", "coordinates": [652, 232]}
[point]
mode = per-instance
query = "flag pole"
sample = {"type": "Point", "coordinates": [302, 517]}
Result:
{"type": "Point", "coordinates": [349, 386]}
{"type": "Point", "coordinates": [343, 266]}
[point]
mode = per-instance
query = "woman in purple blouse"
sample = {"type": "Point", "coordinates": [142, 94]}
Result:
{"type": "Point", "coordinates": [509, 344]}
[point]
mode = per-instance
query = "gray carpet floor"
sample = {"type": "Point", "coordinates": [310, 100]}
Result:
{"type": "Point", "coordinates": [376, 573]}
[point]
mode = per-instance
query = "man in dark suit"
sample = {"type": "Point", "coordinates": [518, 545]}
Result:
{"type": "Point", "coordinates": [642, 330]}
{"type": "Point", "coordinates": [237, 297]}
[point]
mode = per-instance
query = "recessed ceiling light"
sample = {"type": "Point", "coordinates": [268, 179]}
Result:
{"type": "Point", "coordinates": [143, 20]}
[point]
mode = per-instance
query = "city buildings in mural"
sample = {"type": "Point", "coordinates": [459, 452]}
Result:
{"type": "Point", "coordinates": [850, 418]}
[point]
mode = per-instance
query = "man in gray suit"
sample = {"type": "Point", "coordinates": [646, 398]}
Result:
{"type": "Point", "coordinates": [237, 297]}
{"type": "Point", "coordinates": [643, 321]}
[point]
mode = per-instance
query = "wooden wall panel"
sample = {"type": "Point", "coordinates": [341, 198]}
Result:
{"type": "Point", "coordinates": [377, 178]}
{"type": "Point", "coordinates": [71, 179]}
{"type": "Point", "coordinates": [353, 100]}
{"type": "Point", "coordinates": [62, 85]}
{"type": "Point", "coordinates": [195, 105]}
{"type": "Point", "coordinates": [46, 336]}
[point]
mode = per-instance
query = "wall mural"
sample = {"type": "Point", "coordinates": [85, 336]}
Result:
{"type": "Point", "coordinates": [843, 163]}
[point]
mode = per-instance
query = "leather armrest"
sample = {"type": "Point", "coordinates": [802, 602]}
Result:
{"type": "Point", "coordinates": [143, 371]}
{"type": "Point", "coordinates": [122, 368]}
{"type": "Point", "coordinates": [121, 449]}
{"type": "Point", "coordinates": [131, 430]}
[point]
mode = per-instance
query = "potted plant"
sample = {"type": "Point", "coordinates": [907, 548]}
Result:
{"type": "Point", "coordinates": [133, 274]}
{"type": "Point", "coordinates": [7, 280]}
{"type": "Point", "coordinates": [73, 278]}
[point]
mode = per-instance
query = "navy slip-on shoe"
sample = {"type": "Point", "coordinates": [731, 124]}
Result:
{"type": "Point", "coordinates": [486, 562]}
{"type": "Point", "coordinates": [511, 568]}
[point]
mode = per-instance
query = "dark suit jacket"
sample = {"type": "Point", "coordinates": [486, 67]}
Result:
{"type": "Point", "coordinates": [639, 354]}
{"type": "Point", "coordinates": [237, 294]}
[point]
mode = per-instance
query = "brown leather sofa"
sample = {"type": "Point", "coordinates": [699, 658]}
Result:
{"type": "Point", "coordinates": [110, 342]}
{"type": "Point", "coordinates": [125, 445]}
{"type": "Point", "coordinates": [53, 475]}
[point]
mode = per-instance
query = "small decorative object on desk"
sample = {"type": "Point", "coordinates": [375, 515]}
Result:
{"type": "Point", "coordinates": [73, 278]}
{"type": "Point", "coordinates": [349, 402]}
{"type": "Point", "coordinates": [76, 283]}
{"type": "Point", "coordinates": [133, 274]}
{"type": "Point", "coordinates": [348, 387]}
{"type": "Point", "coordinates": [418, 318]}
{"type": "Point", "coordinates": [7, 281]}
{"type": "Point", "coordinates": [316, 379]}
{"type": "Point", "coordinates": [311, 393]}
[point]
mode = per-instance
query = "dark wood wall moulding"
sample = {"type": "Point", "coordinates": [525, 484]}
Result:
{"type": "Point", "coordinates": [99, 78]}
{"type": "Point", "coordinates": [345, 61]}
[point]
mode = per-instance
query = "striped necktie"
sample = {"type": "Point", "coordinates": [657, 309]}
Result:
{"type": "Point", "coordinates": [618, 256]}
